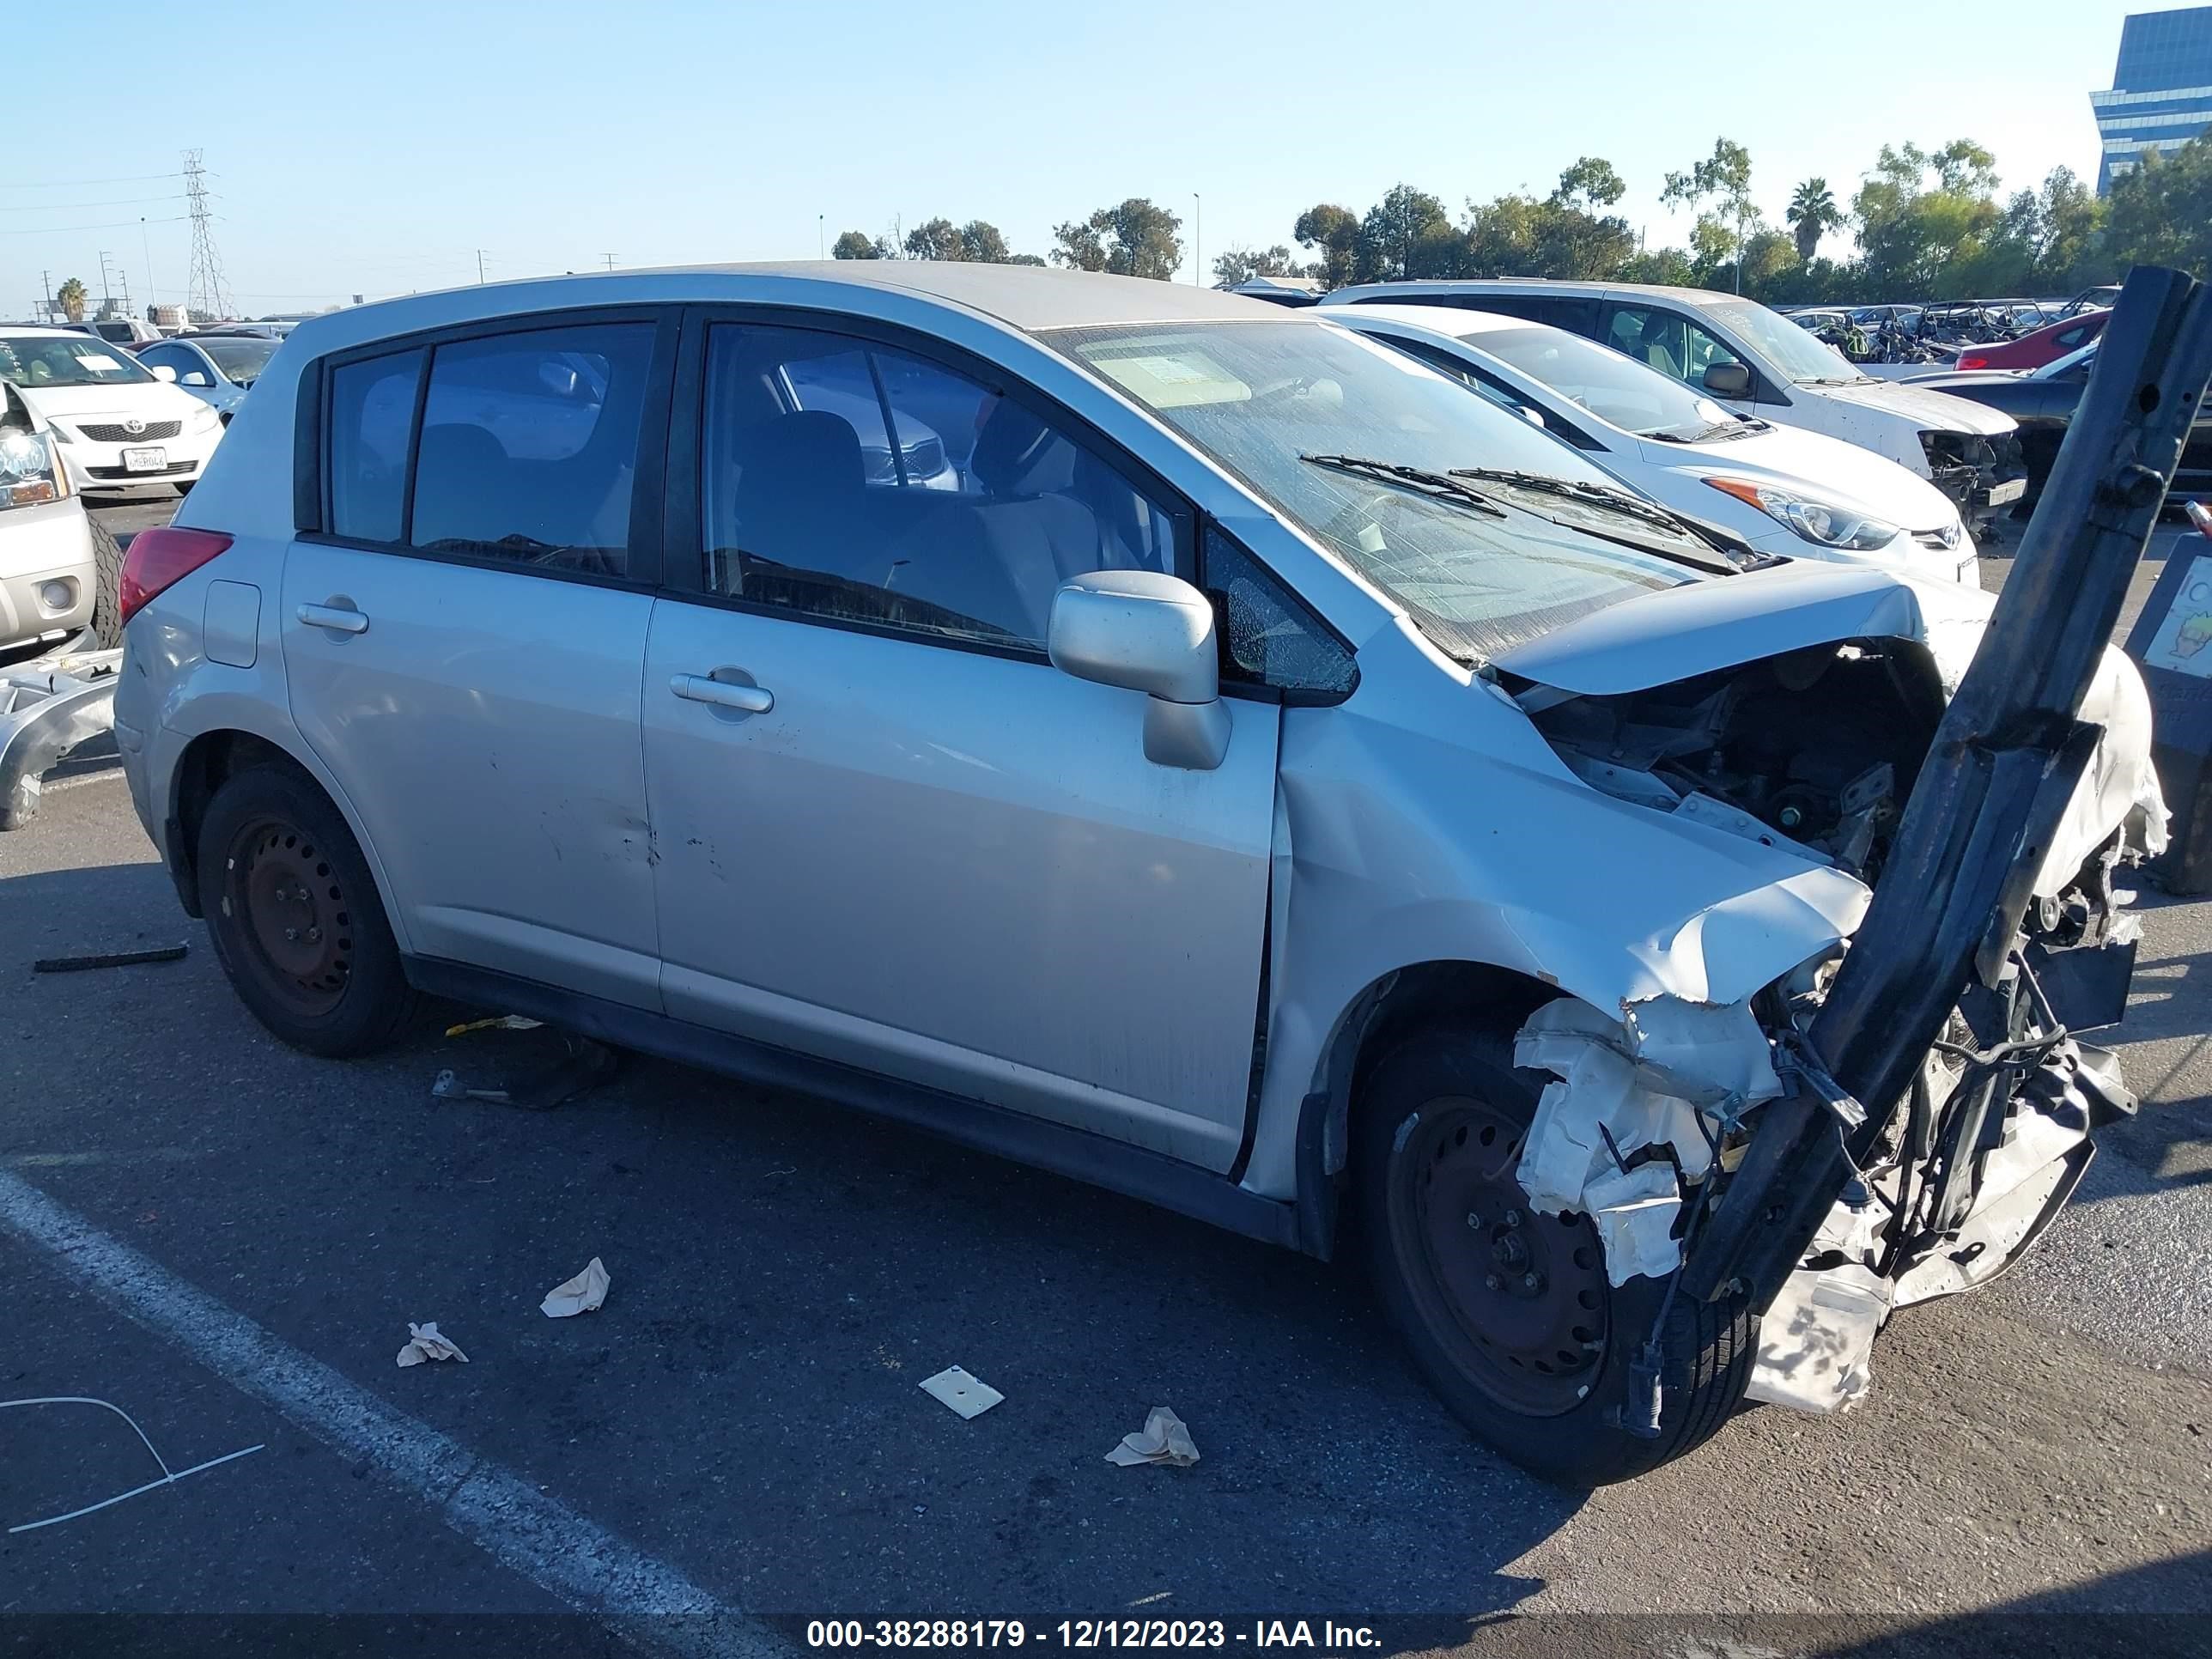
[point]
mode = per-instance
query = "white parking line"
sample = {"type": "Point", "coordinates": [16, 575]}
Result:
{"type": "Point", "coordinates": [575, 1559]}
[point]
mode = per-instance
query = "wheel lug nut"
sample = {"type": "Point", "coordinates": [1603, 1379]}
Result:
{"type": "Point", "coordinates": [1492, 1282]}
{"type": "Point", "coordinates": [1533, 1281]}
{"type": "Point", "coordinates": [292, 933]}
{"type": "Point", "coordinates": [314, 936]}
{"type": "Point", "coordinates": [1474, 1220]}
{"type": "Point", "coordinates": [1513, 1218]}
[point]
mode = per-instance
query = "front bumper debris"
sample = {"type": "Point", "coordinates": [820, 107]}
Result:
{"type": "Point", "coordinates": [47, 707]}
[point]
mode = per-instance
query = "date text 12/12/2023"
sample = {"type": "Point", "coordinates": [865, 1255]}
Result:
{"type": "Point", "coordinates": [1324, 1635]}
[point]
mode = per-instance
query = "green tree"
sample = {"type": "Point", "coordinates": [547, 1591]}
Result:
{"type": "Point", "coordinates": [1333, 232]}
{"type": "Point", "coordinates": [1926, 220]}
{"type": "Point", "coordinates": [1137, 239]}
{"type": "Point", "coordinates": [1241, 265]}
{"type": "Point", "coordinates": [2160, 212]}
{"type": "Point", "coordinates": [855, 244]}
{"type": "Point", "coordinates": [1813, 214]}
{"type": "Point", "coordinates": [1025, 259]}
{"type": "Point", "coordinates": [1589, 185]}
{"type": "Point", "coordinates": [1722, 179]}
{"type": "Point", "coordinates": [934, 239]}
{"type": "Point", "coordinates": [72, 295]}
{"type": "Point", "coordinates": [982, 243]}
{"type": "Point", "coordinates": [1407, 233]}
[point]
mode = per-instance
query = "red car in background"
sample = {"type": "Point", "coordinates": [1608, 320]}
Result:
{"type": "Point", "coordinates": [2044, 345]}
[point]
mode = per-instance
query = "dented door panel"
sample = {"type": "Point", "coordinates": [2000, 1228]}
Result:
{"type": "Point", "coordinates": [496, 771]}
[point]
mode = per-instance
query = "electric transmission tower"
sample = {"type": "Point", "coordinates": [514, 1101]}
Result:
{"type": "Point", "coordinates": [205, 295]}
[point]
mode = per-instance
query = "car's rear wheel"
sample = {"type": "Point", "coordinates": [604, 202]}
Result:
{"type": "Point", "coordinates": [107, 582]}
{"type": "Point", "coordinates": [1509, 1313]}
{"type": "Point", "coordinates": [294, 916]}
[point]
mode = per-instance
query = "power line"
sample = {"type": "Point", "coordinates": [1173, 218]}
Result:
{"type": "Point", "coordinates": [203, 293]}
{"type": "Point", "coordinates": [113, 224]}
{"type": "Point", "coordinates": [78, 207]}
{"type": "Point", "coordinates": [78, 184]}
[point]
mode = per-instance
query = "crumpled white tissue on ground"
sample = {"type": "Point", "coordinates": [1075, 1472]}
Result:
{"type": "Point", "coordinates": [423, 1343]}
{"type": "Point", "coordinates": [579, 1294]}
{"type": "Point", "coordinates": [1163, 1439]}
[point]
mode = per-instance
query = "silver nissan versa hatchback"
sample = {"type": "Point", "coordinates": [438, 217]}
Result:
{"type": "Point", "coordinates": [1159, 737]}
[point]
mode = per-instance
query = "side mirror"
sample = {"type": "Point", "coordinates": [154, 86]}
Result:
{"type": "Point", "coordinates": [1143, 631]}
{"type": "Point", "coordinates": [164, 373]}
{"type": "Point", "coordinates": [1728, 380]}
{"type": "Point", "coordinates": [1534, 417]}
{"type": "Point", "coordinates": [198, 377]}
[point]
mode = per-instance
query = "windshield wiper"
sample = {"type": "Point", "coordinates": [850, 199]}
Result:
{"type": "Point", "coordinates": [1701, 553]}
{"type": "Point", "coordinates": [1438, 486]}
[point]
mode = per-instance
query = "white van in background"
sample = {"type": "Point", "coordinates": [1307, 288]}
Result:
{"type": "Point", "coordinates": [1757, 362]}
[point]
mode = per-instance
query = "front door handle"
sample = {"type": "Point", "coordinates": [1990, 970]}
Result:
{"type": "Point", "coordinates": [745, 699]}
{"type": "Point", "coordinates": [341, 619]}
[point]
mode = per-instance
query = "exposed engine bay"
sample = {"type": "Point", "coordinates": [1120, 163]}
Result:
{"type": "Point", "coordinates": [1654, 1103]}
{"type": "Point", "coordinates": [1820, 747]}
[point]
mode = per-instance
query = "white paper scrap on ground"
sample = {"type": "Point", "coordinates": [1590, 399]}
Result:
{"type": "Point", "coordinates": [579, 1294]}
{"type": "Point", "coordinates": [962, 1392]}
{"type": "Point", "coordinates": [1163, 1439]}
{"type": "Point", "coordinates": [423, 1343]}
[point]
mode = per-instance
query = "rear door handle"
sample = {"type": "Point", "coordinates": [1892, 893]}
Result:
{"type": "Point", "coordinates": [745, 699]}
{"type": "Point", "coordinates": [339, 618]}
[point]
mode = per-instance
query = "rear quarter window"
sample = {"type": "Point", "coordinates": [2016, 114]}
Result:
{"type": "Point", "coordinates": [371, 415]}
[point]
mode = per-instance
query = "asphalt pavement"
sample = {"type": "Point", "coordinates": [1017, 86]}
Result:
{"type": "Point", "coordinates": [228, 1240]}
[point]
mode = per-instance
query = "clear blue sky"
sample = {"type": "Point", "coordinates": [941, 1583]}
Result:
{"type": "Point", "coordinates": [372, 147]}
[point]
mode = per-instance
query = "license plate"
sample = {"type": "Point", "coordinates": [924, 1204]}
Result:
{"type": "Point", "coordinates": [151, 460]}
{"type": "Point", "coordinates": [2010, 490]}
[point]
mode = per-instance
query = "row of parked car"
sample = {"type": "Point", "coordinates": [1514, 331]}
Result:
{"type": "Point", "coordinates": [1409, 764]}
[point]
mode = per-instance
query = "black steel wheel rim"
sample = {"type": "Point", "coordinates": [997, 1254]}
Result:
{"type": "Point", "coordinates": [288, 909]}
{"type": "Point", "coordinates": [1518, 1299]}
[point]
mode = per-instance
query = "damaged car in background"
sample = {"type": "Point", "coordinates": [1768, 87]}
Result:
{"type": "Point", "coordinates": [1263, 779]}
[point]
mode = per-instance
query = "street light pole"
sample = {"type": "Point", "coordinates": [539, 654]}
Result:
{"type": "Point", "coordinates": [1197, 242]}
{"type": "Point", "coordinates": [820, 231]}
{"type": "Point", "coordinates": [147, 248]}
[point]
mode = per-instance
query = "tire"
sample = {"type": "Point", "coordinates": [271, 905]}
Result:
{"type": "Point", "coordinates": [295, 917]}
{"type": "Point", "coordinates": [106, 579]}
{"type": "Point", "coordinates": [184, 489]}
{"type": "Point", "coordinates": [1508, 1313]}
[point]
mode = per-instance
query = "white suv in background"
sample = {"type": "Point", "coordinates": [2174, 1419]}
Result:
{"type": "Point", "coordinates": [1757, 362]}
{"type": "Point", "coordinates": [121, 428]}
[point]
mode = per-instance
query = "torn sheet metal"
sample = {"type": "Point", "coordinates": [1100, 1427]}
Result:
{"type": "Point", "coordinates": [46, 709]}
{"type": "Point", "coordinates": [1642, 1082]}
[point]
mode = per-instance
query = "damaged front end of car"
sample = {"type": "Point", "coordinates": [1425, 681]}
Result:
{"type": "Point", "coordinates": [1900, 1115]}
{"type": "Point", "coordinates": [1813, 752]}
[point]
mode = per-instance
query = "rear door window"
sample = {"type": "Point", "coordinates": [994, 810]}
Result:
{"type": "Point", "coordinates": [372, 420]}
{"type": "Point", "coordinates": [529, 447]}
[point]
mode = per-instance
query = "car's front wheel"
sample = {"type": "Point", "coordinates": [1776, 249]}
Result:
{"type": "Point", "coordinates": [1508, 1312]}
{"type": "Point", "coordinates": [294, 915]}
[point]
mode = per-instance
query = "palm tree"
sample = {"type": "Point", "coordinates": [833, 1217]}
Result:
{"type": "Point", "coordinates": [1813, 214]}
{"type": "Point", "coordinates": [71, 296]}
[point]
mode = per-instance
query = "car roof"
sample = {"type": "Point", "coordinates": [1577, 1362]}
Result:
{"type": "Point", "coordinates": [1456, 321]}
{"type": "Point", "coordinates": [1473, 287]}
{"type": "Point", "coordinates": [1027, 298]}
{"type": "Point", "coordinates": [44, 330]}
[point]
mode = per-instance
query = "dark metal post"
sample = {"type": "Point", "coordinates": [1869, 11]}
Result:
{"type": "Point", "coordinates": [2006, 757]}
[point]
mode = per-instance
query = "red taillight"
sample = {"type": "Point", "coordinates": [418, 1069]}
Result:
{"type": "Point", "coordinates": [1971, 360]}
{"type": "Point", "coordinates": [157, 559]}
